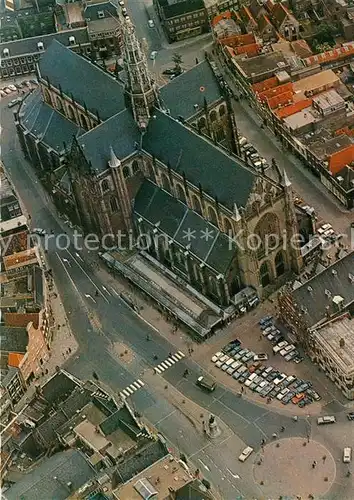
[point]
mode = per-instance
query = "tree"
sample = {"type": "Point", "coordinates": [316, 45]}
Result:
{"type": "Point", "coordinates": [178, 61]}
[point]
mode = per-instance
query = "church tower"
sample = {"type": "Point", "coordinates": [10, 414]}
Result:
{"type": "Point", "coordinates": [140, 89]}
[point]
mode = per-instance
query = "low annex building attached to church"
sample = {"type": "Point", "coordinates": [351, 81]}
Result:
{"type": "Point", "coordinates": [119, 154]}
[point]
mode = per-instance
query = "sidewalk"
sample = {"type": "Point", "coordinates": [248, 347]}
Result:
{"type": "Point", "coordinates": [63, 343]}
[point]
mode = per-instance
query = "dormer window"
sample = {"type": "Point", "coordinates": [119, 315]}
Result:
{"type": "Point", "coordinates": [100, 14]}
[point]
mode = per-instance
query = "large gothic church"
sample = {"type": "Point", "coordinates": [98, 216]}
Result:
{"type": "Point", "coordinates": [119, 154]}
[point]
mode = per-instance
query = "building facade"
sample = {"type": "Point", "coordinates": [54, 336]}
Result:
{"type": "Point", "coordinates": [136, 147]}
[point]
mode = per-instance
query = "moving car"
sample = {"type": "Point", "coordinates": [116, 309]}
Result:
{"type": "Point", "coordinates": [14, 102]}
{"type": "Point", "coordinates": [328, 419]}
{"type": "Point", "coordinates": [245, 454]}
{"type": "Point", "coordinates": [151, 23]}
{"type": "Point", "coordinates": [206, 383]}
{"type": "Point", "coordinates": [153, 55]}
{"type": "Point", "coordinates": [39, 231]}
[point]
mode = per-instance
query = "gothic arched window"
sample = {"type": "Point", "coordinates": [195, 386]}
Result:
{"type": "Point", "coordinates": [228, 228]}
{"type": "Point", "coordinates": [165, 182]}
{"type": "Point", "coordinates": [212, 215]}
{"type": "Point", "coordinates": [48, 97]}
{"type": "Point", "coordinates": [279, 263]}
{"type": "Point", "coordinates": [264, 274]}
{"type": "Point", "coordinates": [71, 112]}
{"type": "Point", "coordinates": [114, 204]}
{"type": "Point", "coordinates": [213, 116]}
{"type": "Point", "coordinates": [59, 104]}
{"type": "Point", "coordinates": [126, 172]}
{"type": "Point", "coordinates": [135, 166]}
{"type": "Point", "coordinates": [220, 134]}
{"type": "Point", "coordinates": [180, 193]}
{"type": "Point", "coordinates": [105, 185]}
{"type": "Point", "coordinates": [202, 123]}
{"type": "Point", "coordinates": [84, 122]}
{"type": "Point", "coordinates": [222, 111]}
{"type": "Point", "coordinates": [196, 205]}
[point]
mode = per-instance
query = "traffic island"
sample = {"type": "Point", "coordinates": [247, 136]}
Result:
{"type": "Point", "coordinates": [291, 470]}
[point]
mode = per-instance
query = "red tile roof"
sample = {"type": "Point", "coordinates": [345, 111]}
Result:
{"type": "Point", "coordinates": [330, 55]}
{"type": "Point", "coordinates": [293, 108]}
{"type": "Point", "coordinates": [270, 83]}
{"type": "Point", "coordinates": [273, 92]}
{"type": "Point", "coordinates": [14, 359]}
{"type": "Point", "coordinates": [21, 319]}
{"type": "Point", "coordinates": [280, 100]}
{"type": "Point", "coordinates": [238, 40]}
{"type": "Point", "coordinates": [340, 159]}
{"type": "Point", "coordinates": [220, 17]}
{"type": "Point", "coordinates": [252, 49]}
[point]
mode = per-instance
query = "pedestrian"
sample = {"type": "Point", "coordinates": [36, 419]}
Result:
{"type": "Point", "coordinates": [324, 458]}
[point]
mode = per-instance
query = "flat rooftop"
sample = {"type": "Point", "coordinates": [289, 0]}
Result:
{"type": "Point", "coordinates": [328, 99]}
{"type": "Point", "coordinates": [274, 61]}
{"type": "Point", "coordinates": [323, 147]}
{"type": "Point", "coordinates": [329, 337]}
{"type": "Point", "coordinates": [162, 475]}
{"type": "Point", "coordinates": [300, 119]}
{"type": "Point", "coordinates": [316, 81]}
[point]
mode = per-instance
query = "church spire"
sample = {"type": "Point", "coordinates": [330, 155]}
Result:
{"type": "Point", "coordinates": [140, 88]}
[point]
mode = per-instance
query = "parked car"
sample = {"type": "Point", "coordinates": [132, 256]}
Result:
{"type": "Point", "coordinates": [12, 87]}
{"type": "Point", "coordinates": [265, 320]}
{"type": "Point", "coordinates": [314, 395]}
{"type": "Point", "coordinates": [254, 367]}
{"type": "Point", "coordinates": [298, 360]}
{"type": "Point", "coordinates": [280, 379]}
{"type": "Point", "coordinates": [280, 346]}
{"type": "Point", "coordinates": [242, 141]}
{"type": "Point", "coordinates": [216, 357]}
{"type": "Point", "coordinates": [227, 364]}
{"type": "Point", "coordinates": [297, 398]}
{"type": "Point", "coordinates": [260, 357]}
{"type": "Point", "coordinates": [267, 371]}
{"type": "Point", "coordinates": [350, 416]}
{"type": "Point", "coordinates": [328, 419]}
{"type": "Point", "coordinates": [233, 367]}
{"type": "Point", "coordinates": [283, 393]}
{"type": "Point", "coordinates": [151, 23]}
{"type": "Point", "coordinates": [283, 352]}
{"type": "Point", "coordinates": [221, 360]}
{"type": "Point", "coordinates": [347, 455]}
{"type": "Point", "coordinates": [153, 55]}
{"type": "Point", "coordinates": [3, 93]}
{"type": "Point", "coordinates": [291, 355]}
{"type": "Point", "coordinates": [7, 91]}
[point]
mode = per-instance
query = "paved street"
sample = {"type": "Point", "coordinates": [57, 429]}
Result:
{"type": "Point", "coordinates": [100, 321]}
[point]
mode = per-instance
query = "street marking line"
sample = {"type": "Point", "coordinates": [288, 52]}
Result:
{"type": "Point", "coordinates": [157, 370]}
{"type": "Point", "coordinates": [171, 360]}
{"type": "Point", "coordinates": [136, 385]}
{"type": "Point", "coordinates": [140, 382]}
{"type": "Point", "coordinates": [85, 273]}
{"type": "Point", "coordinates": [168, 363]}
{"type": "Point", "coordinates": [130, 390]}
{"type": "Point", "coordinates": [126, 393]}
{"type": "Point", "coordinates": [181, 354]}
{"type": "Point", "coordinates": [174, 357]}
{"type": "Point", "coordinates": [164, 365]}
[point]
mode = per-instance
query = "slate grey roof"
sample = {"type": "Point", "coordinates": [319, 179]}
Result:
{"type": "Point", "coordinates": [120, 419]}
{"type": "Point", "coordinates": [183, 92]}
{"type": "Point", "coordinates": [29, 45]}
{"type": "Point", "coordinates": [193, 491]}
{"type": "Point", "coordinates": [334, 278]}
{"type": "Point", "coordinates": [38, 286]}
{"type": "Point", "coordinates": [176, 220]}
{"type": "Point", "coordinates": [91, 10]}
{"type": "Point", "coordinates": [219, 174]}
{"type": "Point", "coordinates": [173, 8]}
{"type": "Point", "coordinates": [67, 467]}
{"type": "Point", "coordinates": [46, 123]}
{"type": "Point", "coordinates": [120, 132]}
{"type": "Point", "coordinates": [58, 387]}
{"type": "Point", "coordinates": [88, 84]}
{"type": "Point", "coordinates": [13, 339]}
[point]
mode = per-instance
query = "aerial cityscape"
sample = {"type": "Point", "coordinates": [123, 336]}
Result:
{"type": "Point", "coordinates": [177, 249]}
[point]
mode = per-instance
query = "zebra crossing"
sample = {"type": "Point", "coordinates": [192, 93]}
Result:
{"type": "Point", "coordinates": [168, 362]}
{"type": "Point", "coordinates": [130, 389]}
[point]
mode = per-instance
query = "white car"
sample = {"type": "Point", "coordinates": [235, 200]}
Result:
{"type": "Point", "coordinates": [153, 55]}
{"type": "Point", "coordinates": [221, 361]}
{"type": "Point", "coordinates": [328, 419]}
{"type": "Point", "coordinates": [8, 91]}
{"type": "Point", "coordinates": [283, 393]}
{"type": "Point", "coordinates": [242, 141]}
{"type": "Point", "coordinates": [250, 379]}
{"type": "Point", "coordinates": [280, 379]}
{"type": "Point", "coordinates": [12, 87]}
{"type": "Point", "coordinates": [245, 454]}
{"type": "Point", "coordinates": [216, 357]}
{"type": "Point", "coordinates": [261, 386]}
{"type": "Point", "coordinates": [2, 93]}
{"type": "Point", "coordinates": [260, 357]}
{"type": "Point", "coordinates": [233, 367]}
{"type": "Point", "coordinates": [121, 3]}
{"type": "Point", "coordinates": [280, 346]}
{"type": "Point", "coordinates": [286, 350]}
{"type": "Point", "coordinates": [39, 231]}
{"type": "Point", "coordinates": [151, 23]}
{"type": "Point", "coordinates": [227, 364]}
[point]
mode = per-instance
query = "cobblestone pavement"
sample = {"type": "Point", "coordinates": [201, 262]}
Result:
{"type": "Point", "coordinates": [291, 467]}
